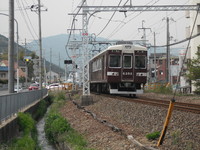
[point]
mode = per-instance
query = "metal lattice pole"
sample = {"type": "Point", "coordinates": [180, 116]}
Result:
{"type": "Point", "coordinates": [86, 85]}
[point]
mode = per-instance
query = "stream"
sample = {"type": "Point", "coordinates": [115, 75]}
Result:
{"type": "Point", "coordinates": [42, 141]}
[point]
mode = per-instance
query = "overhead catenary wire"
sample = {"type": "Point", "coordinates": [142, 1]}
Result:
{"type": "Point", "coordinates": [72, 25]}
{"type": "Point", "coordinates": [163, 27]}
{"type": "Point", "coordinates": [29, 20]}
{"type": "Point", "coordinates": [120, 26]}
{"type": "Point", "coordinates": [23, 16]}
{"type": "Point", "coordinates": [108, 21]}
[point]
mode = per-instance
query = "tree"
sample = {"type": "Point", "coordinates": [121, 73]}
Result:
{"type": "Point", "coordinates": [194, 72]}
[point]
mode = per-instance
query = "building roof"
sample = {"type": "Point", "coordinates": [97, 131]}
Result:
{"type": "Point", "coordinates": [3, 68]}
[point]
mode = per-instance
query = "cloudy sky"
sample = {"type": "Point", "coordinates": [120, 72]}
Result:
{"type": "Point", "coordinates": [121, 27]}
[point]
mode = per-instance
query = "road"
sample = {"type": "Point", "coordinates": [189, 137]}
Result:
{"type": "Point", "coordinates": [4, 92]}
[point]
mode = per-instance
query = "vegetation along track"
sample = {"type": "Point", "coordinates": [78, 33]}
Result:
{"type": "Point", "coordinates": [187, 107]}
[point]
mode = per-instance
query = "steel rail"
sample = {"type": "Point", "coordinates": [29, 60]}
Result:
{"type": "Point", "coordinates": [186, 107]}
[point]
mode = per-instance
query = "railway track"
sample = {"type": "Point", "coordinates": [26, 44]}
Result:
{"type": "Point", "coordinates": [187, 107]}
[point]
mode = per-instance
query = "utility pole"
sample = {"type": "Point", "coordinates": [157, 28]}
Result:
{"type": "Point", "coordinates": [37, 9]}
{"type": "Point", "coordinates": [40, 45]}
{"type": "Point", "coordinates": [145, 45]}
{"type": "Point", "coordinates": [26, 65]}
{"type": "Point", "coordinates": [59, 66]}
{"type": "Point", "coordinates": [11, 48]}
{"type": "Point", "coordinates": [144, 32]}
{"type": "Point", "coordinates": [155, 75]}
{"type": "Point", "coordinates": [45, 71]}
{"type": "Point", "coordinates": [50, 64]}
{"type": "Point", "coordinates": [168, 51]}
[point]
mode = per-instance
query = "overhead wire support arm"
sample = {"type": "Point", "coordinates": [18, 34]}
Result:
{"type": "Point", "coordinates": [140, 8]}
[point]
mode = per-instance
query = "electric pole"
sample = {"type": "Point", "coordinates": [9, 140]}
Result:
{"type": "Point", "coordinates": [26, 65]}
{"type": "Point", "coordinates": [145, 45]}
{"type": "Point", "coordinates": [50, 65]}
{"type": "Point", "coordinates": [168, 51]}
{"type": "Point", "coordinates": [155, 75]}
{"type": "Point", "coordinates": [59, 66]}
{"type": "Point", "coordinates": [144, 33]}
{"type": "Point", "coordinates": [11, 48]}
{"type": "Point", "coordinates": [40, 45]}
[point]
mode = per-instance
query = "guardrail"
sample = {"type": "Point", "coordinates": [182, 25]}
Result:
{"type": "Point", "coordinates": [16, 102]}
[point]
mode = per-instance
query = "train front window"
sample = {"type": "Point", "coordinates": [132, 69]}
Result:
{"type": "Point", "coordinates": [140, 62]}
{"type": "Point", "coordinates": [127, 61]}
{"type": "Point", "coordinates": [115, 61]}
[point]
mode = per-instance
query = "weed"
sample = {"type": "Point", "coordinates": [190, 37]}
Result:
{"type": "Point", "coordinates": [176, 137]}
{"type": "Point", "coordinates": [153, 135]}
{"type": "Point", "coordinates": [57, 128]}
{"type": "Point", "coordinates": [26, 123]}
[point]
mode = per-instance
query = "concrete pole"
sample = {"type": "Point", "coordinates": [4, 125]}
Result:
{"type": "Point", "coordinates": [155, 75]}
{"type": "Point", "coordinates": [50, 65]}
{"type": "Point", "coordinates": [11, 48]}
{"type": "Point", "coordinates": [26, 66]}
{"type": "Point", "coordinates": [17, 57]}
{"type": "Point", "coordinates": [17, 50]}
{"type": "Point", "coordinates": [168, 54]}
{"type": "Point", "coordinates": [40, 45]}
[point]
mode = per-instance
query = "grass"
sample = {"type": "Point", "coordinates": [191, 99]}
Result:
{"type": "Point", "coordinates": [28, 139]}
{"type": "Point", "coordinates": [176, 137]}
{"type": "Point", "coordinates": [153, 135]}
{"type": "Point", "coordinates": [58, 129]}
{"type": "Point", "coordinates": [161, 89]}
{"type": "Point", "coordinates": [27, 126]}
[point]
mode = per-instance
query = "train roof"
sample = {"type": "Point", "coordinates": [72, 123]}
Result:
{"type": "Point", "coordinates": [124, 47]}
{"type": "Point", "coordinates": [127, 47]}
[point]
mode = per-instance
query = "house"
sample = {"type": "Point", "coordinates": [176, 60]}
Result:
{"type": "Point", "coordinates": [22, 68]}
{"type": "Point", "coordinates": [160, 65]}
{"type": "Point", "coordinates": [3, 73]}
{"type": "Point", "coordinates": [52, 77]}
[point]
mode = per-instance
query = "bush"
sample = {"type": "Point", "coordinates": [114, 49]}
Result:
{"type": "Point", "coordinates": [60, 95]}
{"type": "Point", "coordinates": [24, 143]}
{"type": "Point", "coordinates": [26, 123]}
{"type": "Point", "coordinates": [153, 136]}
{"type": "Point", "coordinates": [57, 128]}
{"type": "Point", "coordinates": [163, 89]}
{"type": "Point", "coordinates": [55, 125]}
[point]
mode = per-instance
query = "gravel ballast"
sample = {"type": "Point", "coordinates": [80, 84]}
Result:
{"type": "Point", "coordinates": [135, 120]}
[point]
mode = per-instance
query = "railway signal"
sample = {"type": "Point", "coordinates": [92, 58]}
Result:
{"type": "Point", "coordinates": [67, 61]}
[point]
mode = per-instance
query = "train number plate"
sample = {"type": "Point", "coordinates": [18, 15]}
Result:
{"type": "Point", "coordinates": [141, 74]}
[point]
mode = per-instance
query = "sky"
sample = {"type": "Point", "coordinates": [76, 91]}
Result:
{"type": "Point", "coordinates": [56, 20]}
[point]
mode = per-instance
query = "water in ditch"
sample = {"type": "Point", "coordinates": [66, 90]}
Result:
{"type": "Point", "coordinates": [43, 142]}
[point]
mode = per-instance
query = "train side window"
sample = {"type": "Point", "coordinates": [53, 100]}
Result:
{"type": "Point", "coordinates": [140, 62]}
{"type": "Point", "coordinates": [127, 61]}
{"type": "Point", "coordinates": [115, 61]}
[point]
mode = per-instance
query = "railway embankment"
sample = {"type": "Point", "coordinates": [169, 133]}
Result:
{"type": "Point", "coordinates": [134, 121]}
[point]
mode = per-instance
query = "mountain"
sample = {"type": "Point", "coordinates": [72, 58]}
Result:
{"type": "Point", "coordinates": [4, 50]}
{"type": "Point", "coordinates": [57, 44]}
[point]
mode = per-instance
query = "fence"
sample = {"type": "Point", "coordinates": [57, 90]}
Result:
{"type": "Point", "coordinates": [13, 103]}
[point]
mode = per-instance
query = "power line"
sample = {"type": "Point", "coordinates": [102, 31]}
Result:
{"type": "Point", "coordinates": [29, 20]}
{"type": "Point", "coordinates": [109, 20]}
{"type": "Point", "coordinates": [120, 26]}
{"type": "Point", "coordinates": [72, 27]}
{"type": "Point", "coordinates": [23, 16]}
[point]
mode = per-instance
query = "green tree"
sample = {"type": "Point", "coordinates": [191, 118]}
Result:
{"type": "Point", "coordinates": [194, 72]}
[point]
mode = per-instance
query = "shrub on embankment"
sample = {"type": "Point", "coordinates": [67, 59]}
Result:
{"type": "Point", "coordinates": [27, 139]}
{"type": "Point", "coordinates": [27, 127]}
{"type": "Point", "coordinates": [57, 128]}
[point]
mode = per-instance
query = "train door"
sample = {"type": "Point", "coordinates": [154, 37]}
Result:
{"type": "Point", "coordinates": [127, 67]}
{"type": "Point", "coordinates": [103, 67]}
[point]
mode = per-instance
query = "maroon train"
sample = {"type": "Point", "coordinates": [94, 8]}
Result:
{"type": "Point", "coordinates": [120, 69]}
